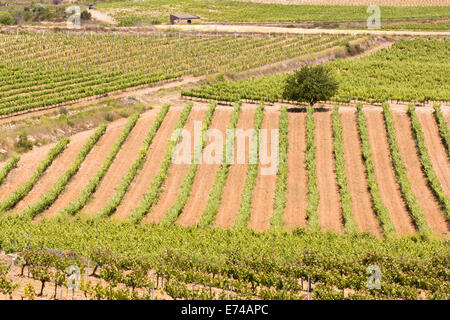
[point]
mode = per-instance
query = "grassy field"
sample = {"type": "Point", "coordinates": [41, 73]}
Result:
{"type": "Point", "coordinates": [410, 71]}
{"type": "Point", "coordinates": [158, 11]}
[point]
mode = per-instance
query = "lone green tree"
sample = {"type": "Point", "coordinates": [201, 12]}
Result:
{"type": "Point", "coordinates": [311, 85]}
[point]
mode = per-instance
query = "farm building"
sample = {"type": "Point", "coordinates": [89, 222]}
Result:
{"type": "Point", "coordinates": [180, 18]}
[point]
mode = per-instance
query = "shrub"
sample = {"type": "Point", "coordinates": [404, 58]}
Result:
{"type": "Point", "coordinates": [85, 15]}
{"type": "Point", "coordinates": [63, 110]}
{"type": "Point", "coordinates": [6, 18]}
{"type": "Point", "coordinates": [310, 84]}
{"type": "Point", "coordinates": [23, 145]}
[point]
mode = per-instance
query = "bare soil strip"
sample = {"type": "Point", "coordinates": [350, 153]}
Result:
{"type": "Point", "coordinates": [176, 174]}
{"type": "Point", "coordinates": [435, 148]}
{"type": "Point", "coordinates": [205, 177]}
{"type": "Point", "coordinates": [264, 192]}
{"type": "Point", "coordinates": [102, 17]}
{"type": "Point", "coordinates": [88, 169]}
{"type": "Point", "coordinates": [296, 193]}
{"type": "Point", "coordinates": [138, 188]}
{"type": "Point", "coordinates": [329, 210]}
{"type": "Point", "coordinates": [231, 198]}
{"type": "Point", "coordinates": [389, 189]}
{"type": "Point", "coordinates": [425, 197]}
{"type": "Point", "coordinates": [122, 163]}
{"type": "Point", "coordinates": [364, 215]}
{"type": "Point", "coordinates": [56, 169]}
{"type": "Point", "coordinates": [25, 168]}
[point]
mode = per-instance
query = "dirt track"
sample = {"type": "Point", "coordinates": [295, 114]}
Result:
{"type": "Point", "coordinates": [145, 176]}
{"type": "Point", "coordinates": [102, 17]}
{"type": "Point", "coordinates": [260, 29]}
{"type": "Point", "coordinates": [408, 152]}
{"type": "Point", "coordinates": [176, 174]}
{"type": "Point", "coordinates": [295, 214]}
{"type": "Point", "coordinates": [206, 173]}
{"type": "Point", "coordinates": [357, 182]}
{"type": "Point", "coordinates": [330, 213]}
{"type": "Point", "coordinates": [124, 160]}
{"type": "Point", "coordinates": [231, 196]}
{"type": "Point", "coordinates": [384, 171]}
{"type": "Point", "coordinates": [263, 194]}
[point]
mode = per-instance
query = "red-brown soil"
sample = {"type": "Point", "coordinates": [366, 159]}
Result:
{"type": "Point", "coordinates": [57, 168]}
{"type": "Point", "coordinates": [436, 148]}
{"type": "Point", "coordinates": [296, 193]}
{"type": "Point", "coordinates": [231, 197]}
{"type": "Point", "coordinates": [384, 171]}
{"type": "Point", "coordinates": [176, 174]}
{"type": "Point", "coordinates": [88, 169]}
{"type": "Point", "coordinates": [152, 165]}
{"type": "Point", "coordinates": [408, 152]}
{"type": "Point", "coordinates": [329, 210]}
{"type": "Point", "coordinates": [26, 167]}
{"type": "Point", "coordinates": [121, 164]}
{"type": "Point", "coordinates": [206, 173]}
{"type": "Point", "coordinates": [356, 177]}
{"type": "Point", "coordinates": [263, 194]}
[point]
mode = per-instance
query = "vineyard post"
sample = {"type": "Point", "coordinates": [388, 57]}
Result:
{"type": "Point", "coordinates": [309, 288]}
{"type": "Point", "coordinates": [61, 294]}
{"type": "Point", "coordinates": [162, 274]}
{"type": "Point", "coordinates": [13, 258]}
{"type": "Point", "coordinates": [153, 285]}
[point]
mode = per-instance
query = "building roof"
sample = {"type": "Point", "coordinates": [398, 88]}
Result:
{"type": "Point", "coordinates": [184, 16]}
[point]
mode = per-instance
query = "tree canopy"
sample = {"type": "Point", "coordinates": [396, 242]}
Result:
{"type": "Point", "coordinates": [310, 84]}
